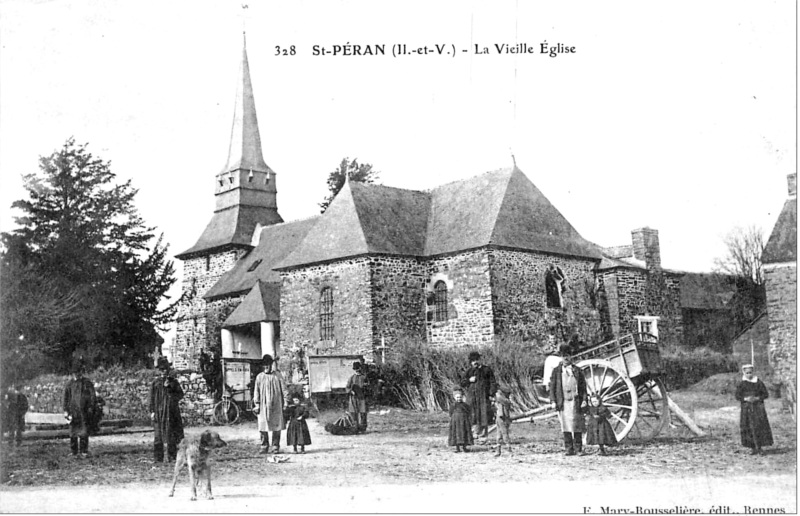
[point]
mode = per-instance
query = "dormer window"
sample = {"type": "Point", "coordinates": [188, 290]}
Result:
{"type": "Point", "coordinates": [254, 265]}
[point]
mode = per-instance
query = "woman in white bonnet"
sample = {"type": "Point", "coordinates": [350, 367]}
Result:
{"type": "Point", "coordinates": [753, 422]}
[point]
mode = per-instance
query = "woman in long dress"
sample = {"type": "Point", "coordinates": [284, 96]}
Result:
{"type": "Point", "coordinates": [753, 423]}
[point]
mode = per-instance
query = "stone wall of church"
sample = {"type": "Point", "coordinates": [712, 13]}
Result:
{"type": "Point", "coordinates": [193, 328]}
{"type": "Point", "coordinates": [781, 285]}
{"type": "Point", "coordinates": [398, 299]}
{"type": "Point", "coordinates": [520, 297]}
{"type": "Point", "coordinates": [350, 281]}
{"type": "Point", "coordinates": [632, 292]}
{"type": "Point", "coordinates": [469, 300]}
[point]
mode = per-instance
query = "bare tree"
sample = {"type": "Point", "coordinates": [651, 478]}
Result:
{"type": "Point", "coordinates": [745, 247]}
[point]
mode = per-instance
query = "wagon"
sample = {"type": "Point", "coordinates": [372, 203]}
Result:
{"type": "Point", "coordinates": [626, 373]}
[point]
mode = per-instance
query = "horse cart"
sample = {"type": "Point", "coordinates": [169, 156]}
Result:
{"type": "Point", "coordinates": [626, 374]}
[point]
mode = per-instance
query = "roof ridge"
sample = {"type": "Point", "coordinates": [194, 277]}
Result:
{"type": "Point", "coordinates": [503, 169]}
{"type": "Point", "coordinates": [370, 185]}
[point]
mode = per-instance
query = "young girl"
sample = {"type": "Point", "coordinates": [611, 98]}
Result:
{"type": "Point", "coordinates": [460, 434]}
{"type": "Point", "coordinates": [297, 433]}
{"type": "Point", "coordinates": [598, 429]}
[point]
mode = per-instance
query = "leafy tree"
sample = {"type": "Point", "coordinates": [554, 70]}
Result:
{"type": "Point", "coordinates": [81, 273]}
{"type": "Point", "coordinates": [362, 172]}
{"type": "Point", "coordinates": [743, 262]}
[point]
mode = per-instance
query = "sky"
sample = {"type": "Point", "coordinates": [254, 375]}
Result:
{"type": "Point", "coordinates": [677, 115]}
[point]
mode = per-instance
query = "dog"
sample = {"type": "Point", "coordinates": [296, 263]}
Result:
{"type": "Point", "coordinates": [193, 453]}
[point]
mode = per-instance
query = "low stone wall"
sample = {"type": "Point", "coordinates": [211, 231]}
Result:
{"type": "Point", "coordinates": [126, 393]}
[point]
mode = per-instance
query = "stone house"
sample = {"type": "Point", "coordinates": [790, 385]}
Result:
{"type": "Point", "coordinates": [780, 278]}
{"type": "Point", "coordinates": [466, 263]}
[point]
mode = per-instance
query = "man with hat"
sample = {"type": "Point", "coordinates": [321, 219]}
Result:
{"type": "Point", "coordinates": [567, 394]}
{"type": "Point", "coordinates": [79, 406]}
{"type": "Point", "coordinates": [357, 402]}
{"type": "Point", "coordinates": [165, 411]}
{"type": "Point", "coordinates": [269, 399]}
{"type": "Point", "coordinates": [480, 385]}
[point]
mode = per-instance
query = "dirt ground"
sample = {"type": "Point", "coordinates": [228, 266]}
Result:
{"type": "Point", "coordinates": [403, 464]}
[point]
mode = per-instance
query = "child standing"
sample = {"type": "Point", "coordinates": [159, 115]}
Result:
{"type": "Point", "coordinates": [297, 433]}
{"type": "Point", "coordinates": [460, 434]}
{"type": "Point", "coordinates": [502, 410]}
{"type": "Point", "coordinates": [598, 430]}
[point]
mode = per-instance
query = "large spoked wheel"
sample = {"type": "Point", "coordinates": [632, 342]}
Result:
{"type": "Point", "coordinates": [615, 390]}
{"type": "Point", "coordinates": [226, 412]}
{"type": "Point", "coordinates": [653, 410]}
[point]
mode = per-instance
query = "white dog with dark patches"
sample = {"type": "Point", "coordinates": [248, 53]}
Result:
{"type": "Point", "coordinates": [193, 453]}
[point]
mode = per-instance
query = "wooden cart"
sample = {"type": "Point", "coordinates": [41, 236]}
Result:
{"type": "Point", "coordinates": [626, 374]}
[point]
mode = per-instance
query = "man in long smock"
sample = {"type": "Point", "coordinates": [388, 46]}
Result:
{"type": "Point", "coordinates": [165, 411]}
{"type": "Point", "coordinates": [269, 399]}
{"type": "Point", "coordinates": [567, 394]}
{"type": "Point", "coordinates": [481, 386]}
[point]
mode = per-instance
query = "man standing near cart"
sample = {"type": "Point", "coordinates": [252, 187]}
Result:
{"type": "Point", "coordinates": [269, 399]}
{"type": "Point", "coordinates": [567, 395]}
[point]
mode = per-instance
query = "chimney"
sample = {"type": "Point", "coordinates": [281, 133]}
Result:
{"type": "Point", "coordinates": [792, 180]}
{"type": "Point", "coordinates": [646, 247]}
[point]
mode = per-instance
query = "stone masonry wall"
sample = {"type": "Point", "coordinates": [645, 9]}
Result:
{"type": "Point", "coordinates": [193, 330]}
{"type": "Point", "coordinates": [520, 299]}
{"type": "Point", "coordinates": [350, 281]}
{"type": "Point", "coordinates": [641, 292]}
{"type": "Point", "coordinates": [781, 285]}
{"type": "Point", "coordinates": [127, 396]}
{"type": "Point", "coordinates": [398, 299]}
{"type": "Point", "coordinates": [469, 311]}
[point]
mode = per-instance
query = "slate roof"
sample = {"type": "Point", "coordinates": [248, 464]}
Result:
{"type": "Point", "coordinates": [232, 226]}
{"type": "Point", "coordinates": [275, 243]}
{"type": "Point", "coordinates": [705, 291]}
{"type": "Point", "coordinates": [262, 303]}
{"type": "Point", "coordinates": [366, 219]}
{"type": "Point", "coordinates": [500, 208]}
{"type": "Point", "coordinates": [782, 244]}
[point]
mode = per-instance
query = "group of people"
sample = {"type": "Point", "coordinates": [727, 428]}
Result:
{"type": "Point", "coordinates": [480, 399]}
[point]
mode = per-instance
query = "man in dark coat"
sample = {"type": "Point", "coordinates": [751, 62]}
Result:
{"type": "Point", "coordinates": [480, 385]}
{"type": "Point", "coordinates": [15, 409]}
{"type": "Point", "coordinates": [80, 402]}
{"type": "Point", "coordinates": [753, 423]}
{"type": "Point", "coordinates": [567, 395]}
{"type": "Point", "coordinates": [165, 395]}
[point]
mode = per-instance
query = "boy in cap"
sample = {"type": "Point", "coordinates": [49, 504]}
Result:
{"type": "Point", "coordinates": [502, 411]}
{"type": "Point", "coordinates": [480, 385]}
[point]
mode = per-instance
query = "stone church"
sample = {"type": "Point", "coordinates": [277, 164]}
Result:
{"type": "Point", "coordinates": [466, 263]}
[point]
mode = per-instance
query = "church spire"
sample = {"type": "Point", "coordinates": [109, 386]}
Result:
{"type": "Point", "coordinates": [245, 152]}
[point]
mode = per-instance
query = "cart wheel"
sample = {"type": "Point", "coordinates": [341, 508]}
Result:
{"type": "Point", "coordinates": [615, 390]}
{"type": "Point", "coordinates": [653, 410]}
{"type": "Point", "coordinates": [226, 412]}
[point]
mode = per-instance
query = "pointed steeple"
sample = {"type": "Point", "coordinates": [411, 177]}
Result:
{"type": "Point", "coordinates": [245, 146]}
{"type": "Point", "coordinates": [245, 189]}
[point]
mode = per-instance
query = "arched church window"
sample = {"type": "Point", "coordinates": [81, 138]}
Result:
{"type": "Point", "coordinates": [326, 314]}
{"type": "Point", "coordinates": [440, 301]}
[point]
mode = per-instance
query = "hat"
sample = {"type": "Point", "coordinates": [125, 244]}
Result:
{"type": "Point", "coordinates": [78, 365]}
{"type": "Point", "coordinates": [163, 363]}
{"type": "Point", "coordinates": [356, 366]}
{"type": "Point", "coordinates": [474, 356]}
{"type": "Point", "coordinates": [267, 359]}
{"type": "Point", "coordinates": [747, 366]}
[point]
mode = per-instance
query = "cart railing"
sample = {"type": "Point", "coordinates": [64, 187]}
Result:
{"type": "Point", "coordinates": [637, 354]}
